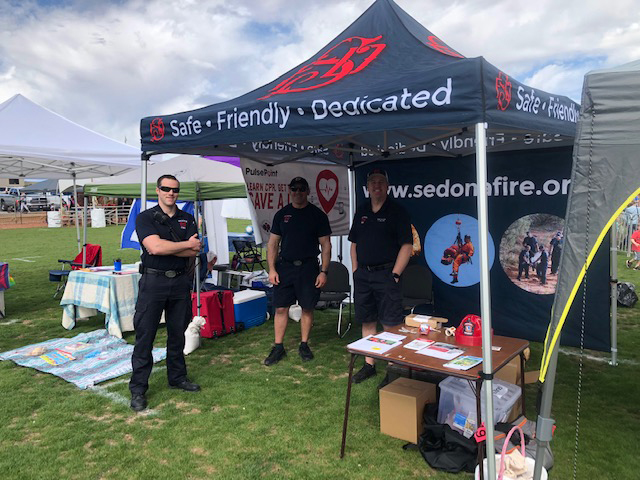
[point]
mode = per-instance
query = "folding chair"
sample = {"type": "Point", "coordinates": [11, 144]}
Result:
{"type": "Point", "coordinates": [417, 287]}
{"type": "Point", "coordinates": [248, 255]}
{"type": "Point", "coordinates": [94, 259]}
{"type": "Point", "coordinates": [337, 289]}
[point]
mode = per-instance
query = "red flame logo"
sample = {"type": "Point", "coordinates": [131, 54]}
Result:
{"type": "Point", "coordinates": [349, 57]}
{"type": "Point", "coordinates": [437, 44]}
{"type": "Point", "coordinates": [157, 129]}
{"type": "Point", "coordinates": [503, 91]}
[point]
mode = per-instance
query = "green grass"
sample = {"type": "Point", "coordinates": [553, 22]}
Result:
{"type": "Point", "coordinates": [251, 421]}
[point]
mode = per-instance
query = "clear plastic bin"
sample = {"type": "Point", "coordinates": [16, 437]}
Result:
{"type": "Point", "coordinates": [457, 404]}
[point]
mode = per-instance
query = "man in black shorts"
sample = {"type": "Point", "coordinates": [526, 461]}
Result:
{"type": "Point", "coordinates": [169, 238]}
{"type": "Point", "coordinates": [297, 229]}
{"type": "Point", "coordinates": [381, 246]}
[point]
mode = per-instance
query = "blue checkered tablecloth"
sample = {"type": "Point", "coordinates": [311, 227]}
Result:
{"type": "Point", "coordinates": [86, 293]}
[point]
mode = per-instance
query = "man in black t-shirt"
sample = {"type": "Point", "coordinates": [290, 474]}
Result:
{"type": "Point", "coordinates": [169, 238]}
{"type": "Point", "coordinates": [381, 244]}
{"type": "Point", "coordinates": [298, 229]}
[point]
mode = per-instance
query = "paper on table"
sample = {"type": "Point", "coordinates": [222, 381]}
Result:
{"type": "Point", "coordinates": [422, 318]}
{"type": "Point", "coordinates": [380, 343]}
{"type": "Point", "coordinates": [464, 363]}
{"type": "Point", "coordinates": [418, 344]}
{"type": "Point", "coordinates": [444, 351]}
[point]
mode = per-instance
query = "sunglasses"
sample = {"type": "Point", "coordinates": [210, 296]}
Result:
{"type": "Point", "coordinates": [169, 189]}
{"type": "Point", "coordinates": [298, 189]}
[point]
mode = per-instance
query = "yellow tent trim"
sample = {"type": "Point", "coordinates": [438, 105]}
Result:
{"type": "Point", "coordinates": [556, 334]}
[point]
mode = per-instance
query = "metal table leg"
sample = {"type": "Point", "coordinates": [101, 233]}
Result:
{"type": "Point", "coordinates": [346, 408]}
{"type": "Point", "coordinates": [522, 361]}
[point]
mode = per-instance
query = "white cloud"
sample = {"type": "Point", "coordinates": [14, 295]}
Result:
{"type": "Point", "coordinates": [107, 64]}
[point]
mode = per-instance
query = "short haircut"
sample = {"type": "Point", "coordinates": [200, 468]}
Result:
{"type": "Point", "coordinates": [162, 177]}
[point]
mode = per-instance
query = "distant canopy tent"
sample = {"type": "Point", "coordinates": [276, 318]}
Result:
{"type": "Point", "coordinates": [44, 186]}
{"type": "Point", "coordinates": [38, 143]}
{"type": "Point", "coordinates": [201, 179]}
{"type": "Point", "coordinates": [385, 89]}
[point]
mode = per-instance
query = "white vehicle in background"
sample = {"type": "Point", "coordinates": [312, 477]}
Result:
{"type": "Point", "coordinates": [8, 199]}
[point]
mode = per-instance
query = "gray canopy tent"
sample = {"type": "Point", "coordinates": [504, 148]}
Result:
{"type": "Point", "coordinates": [604, 180]}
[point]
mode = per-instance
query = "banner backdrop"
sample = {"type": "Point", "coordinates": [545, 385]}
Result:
{"type": "Point", "coordinates": [527, 203]}
{"type": "Point", "coordinates": [129, 237]}
{"type": "Point", "coordinates": [268, 189]}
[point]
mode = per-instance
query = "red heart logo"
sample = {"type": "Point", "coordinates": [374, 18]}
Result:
{"type": "Point", "coordinates": [327, 188]}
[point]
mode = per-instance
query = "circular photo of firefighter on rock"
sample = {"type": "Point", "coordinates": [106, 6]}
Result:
{"type": "Point", "coordinates": [450, 248]}
{"type": "Point", "coordinates": [530, 252]}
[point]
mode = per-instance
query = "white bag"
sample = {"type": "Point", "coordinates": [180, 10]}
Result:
{"type": "Point", "coordinates": [192, 335]}
{"type": "Point", "coordinates": [295, 312]}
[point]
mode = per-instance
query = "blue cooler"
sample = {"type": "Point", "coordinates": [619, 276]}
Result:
{"type": "Point", "coordinates": [250, 307]}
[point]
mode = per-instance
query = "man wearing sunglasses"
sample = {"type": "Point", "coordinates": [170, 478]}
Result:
{"type": "Point", "coordinates": [297, 231]}
{"type": "Point", "coordinates": [169, 238]}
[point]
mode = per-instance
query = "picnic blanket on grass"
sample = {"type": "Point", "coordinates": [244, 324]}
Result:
{"type": "Point", "coordinates": [84, 360]}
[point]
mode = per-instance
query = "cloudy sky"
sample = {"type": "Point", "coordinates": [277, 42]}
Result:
{"type": "Point", "coordinates": [106, 64]}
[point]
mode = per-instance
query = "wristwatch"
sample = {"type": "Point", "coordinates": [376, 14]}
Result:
{"type": "Point", "coordinates": [396, 276]}
{"type": "Point", "coordinates": [326, 272]}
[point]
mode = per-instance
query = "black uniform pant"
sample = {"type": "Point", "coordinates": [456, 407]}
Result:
{"type": "Point", "coordinates": [523, 267]}
{"type": "Point", "coordinates": [542, 272]}
{"type": "Point", "coordinates": [158, 293]}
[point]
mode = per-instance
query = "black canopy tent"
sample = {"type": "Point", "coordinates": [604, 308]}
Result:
{"type": "Point", "coordinates": [385, 88]}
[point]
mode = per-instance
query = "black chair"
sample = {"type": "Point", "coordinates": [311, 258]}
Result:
{"type": "Point", "coordinates": [417, 287]}
{"type": "Point", "coordinates": [337, 289]}
{"type": "Point", "coordinates": [248, 255]}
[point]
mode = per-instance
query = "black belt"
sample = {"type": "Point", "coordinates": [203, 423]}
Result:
{"type": "Point", "coordinates": [298, 263]}
{"type": "Point", "coordinates": [383, 266]}
{"type": "Point", "coordinates": [166, 273]}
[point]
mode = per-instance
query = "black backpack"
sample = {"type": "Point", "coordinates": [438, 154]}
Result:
{"type": "Point", "coordinates": [627, 296]}
{"type": "Point", "coordinates": [445, 449]}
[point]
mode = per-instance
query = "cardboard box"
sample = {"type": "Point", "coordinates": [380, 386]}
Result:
{"type": "Point", "coordinates": [433, 322]}
{"type": "Point", "coordinates": [401, 406]}
{"type": "Point", "coordinates": [511, 373]}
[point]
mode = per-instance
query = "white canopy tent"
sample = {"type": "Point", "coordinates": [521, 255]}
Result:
{"type": "Point", "coordinates": [209, 180]}
{"type": "Point", "coordinates": [38, 143]}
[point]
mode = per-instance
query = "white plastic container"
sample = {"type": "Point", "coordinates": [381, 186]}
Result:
{"type": "Point", "coordinates": [457, 405]}
{"type": "Point", "coordinates": [98, 219]}
{"type": "Point", "coordinates": [54, 220]}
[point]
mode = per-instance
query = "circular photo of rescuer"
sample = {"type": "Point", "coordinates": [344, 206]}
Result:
{"type": "Point", "coordinates": [530, 252]}
{"type": "Point", "coordinates": [450, 248]}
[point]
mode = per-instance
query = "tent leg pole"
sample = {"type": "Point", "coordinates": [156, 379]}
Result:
{"type": "Point", "coordinates": [84, 233]}
{"type": "Point", "coordinates": [75, 202]}
{"type": "Point", "coordinates": [614, 295]}
{"type": "Point", "coordinates": [143, 182]}
{"type": "Point", "coordinates": [197, 268]}
{"type": "Point", "coordinates": [544, 426]}
{"type": "Point", "coordinates": [485, 293]}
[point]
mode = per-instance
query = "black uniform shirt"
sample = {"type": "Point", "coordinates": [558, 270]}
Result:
{"type": "Point", "coordinates": [182, 223]}
{"type": "Point", "coordinates": [300, 229]}
{"type": "Point", "coordinates": [379, 236]}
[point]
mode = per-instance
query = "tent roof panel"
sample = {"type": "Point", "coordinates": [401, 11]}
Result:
{"type": "Point", "coordinates": [36, 142]}
{"type": "Point", "coordinates": [383, 78]}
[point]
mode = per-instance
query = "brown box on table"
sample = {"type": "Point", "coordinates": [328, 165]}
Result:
{"type": "Point", "coordinates": [401, 405]}
{"type": "Point", "coordinates": [433, 322]}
